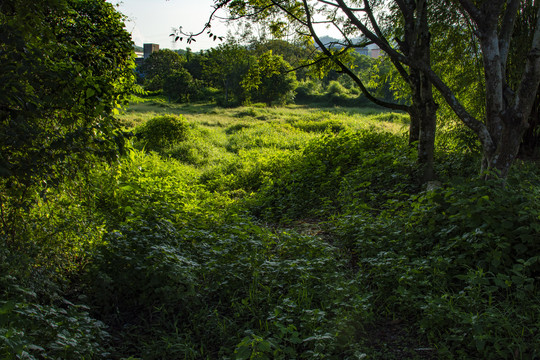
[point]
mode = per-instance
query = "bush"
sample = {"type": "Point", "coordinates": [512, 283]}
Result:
{"type": "Point", "coordinates": [184, 276]}
{"type": "Point", "coordinates": [328, 125]}
{"type": "Point", "coordinates": [162, 132]}
{"type": "Point", "coordinates": [335, 88]}
{"type": "Point", "coordinates": [335, 171]}
{"type": "Point", "coordinates": [307, 87]}
{"type": "Point", "coordinates": [454, 262]}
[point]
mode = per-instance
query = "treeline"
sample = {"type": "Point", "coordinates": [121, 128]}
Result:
{"type": "Point", "coordinates": [274, 72]}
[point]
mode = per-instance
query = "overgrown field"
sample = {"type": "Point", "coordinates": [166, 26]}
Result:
{"type": "Point", "coordinates": [274, 233]}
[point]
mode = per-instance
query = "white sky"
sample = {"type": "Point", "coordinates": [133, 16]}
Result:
{"type": "Point", "coordinates": [152, 21]}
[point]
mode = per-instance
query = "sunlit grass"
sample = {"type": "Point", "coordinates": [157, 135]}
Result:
{"type": "Point", "coordinates": [210, 115]}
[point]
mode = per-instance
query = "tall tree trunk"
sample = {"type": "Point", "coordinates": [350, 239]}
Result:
{"type": "Point", "coordinates": [428, 125]}
{"type": "Point", "coordinates": [530, 145]}
{"type": "Point", "coordinates": [414, 126]}
{"type": "Point", "coordinates": [507, 111]}
{"type": "Point", "coordinates": [416, 46]}
{"type": "Point", "coordinates": [424, 116]}
{"type": "Point", "coordinates": [507, 146]}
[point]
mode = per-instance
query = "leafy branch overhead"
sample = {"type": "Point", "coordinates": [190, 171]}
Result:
{"type": "Point", "coordinates": [408, 43]}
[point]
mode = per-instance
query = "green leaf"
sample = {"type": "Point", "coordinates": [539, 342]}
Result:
{"type": "Point", "coordinates": [90, 92]}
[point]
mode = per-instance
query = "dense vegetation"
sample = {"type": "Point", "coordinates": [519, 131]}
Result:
{"type": "Point", "coordinates": [261, 232]}
{"type": "Point", "coordinates": [274, 72]}
{"type": "Point", "coordinates": [232, 228]}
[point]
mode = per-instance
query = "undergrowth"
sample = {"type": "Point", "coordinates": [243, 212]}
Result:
{"type": "Point", "coordinates": [265, 233]}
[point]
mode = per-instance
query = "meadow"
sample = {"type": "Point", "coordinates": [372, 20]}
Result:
{"type": "Point", "coordinates": [286, 232]}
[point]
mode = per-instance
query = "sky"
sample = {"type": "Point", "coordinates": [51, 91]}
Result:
{"type": "Point", "coordinates": [152, 21]}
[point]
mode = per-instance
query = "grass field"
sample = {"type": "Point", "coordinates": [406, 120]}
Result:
{"type": "Point", "coordinates": [211, 115]}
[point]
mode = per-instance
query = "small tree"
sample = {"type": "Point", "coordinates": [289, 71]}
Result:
{"type": "Point", "coordinates": [270, 79]}
{"type": "Point", "coordinates": [158, 66]}
{"type": "Point", "coordinates": [225, 66]}
{"type": "Point", "coordinates": [179, 86]}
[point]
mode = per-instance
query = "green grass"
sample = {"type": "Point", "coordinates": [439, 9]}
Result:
{"type": "Point", "coordinates": [274, 233]}
{"type": "Point", "coordinates": [213, 116]}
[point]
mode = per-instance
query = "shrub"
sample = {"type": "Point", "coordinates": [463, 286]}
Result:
{"type": "Point", "coordinates": [331, 125]}
{"type": "Point", "coordinates": [268, 135]}
{"type": "Point", "coordinates": [335, 88]}
{"type": "Point", "coordinates": [207, 291]}
{"type": "Point", "coordinates": [162, 131]}
{"type": "Point", "coordinates": [454, 262]}
{"type": "Point", "coordinates": [335, 171]}
{"type": "Point", "coordinates": [307, 87]}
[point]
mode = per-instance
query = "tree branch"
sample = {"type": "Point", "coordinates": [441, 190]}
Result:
{"type": "Point", "coordinates": [473, 11]}
{"type": "Point", "coordinates": [478, 127]}
{"type": "Point", "coordinates": [395, 57]}
{"type": "Point", "coordinates": [348, 71]}
{"type": "Point", "coordinates": [531, 76]}
{"type": "Point", "coordinates": [506, 31]}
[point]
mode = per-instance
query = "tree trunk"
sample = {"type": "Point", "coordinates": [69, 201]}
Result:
{"type": "Point", "coordinates": [424, 108]}
{"type": "Point", "coordinates": [507, 112]}
{"type": "Point", "coordinates": [507, 147]}
{"type": "Point", "coordinates": [426, 144]}
{"type": "Point", "coordinates": [414, 127]}
{"type": "Point", "coordinates": [530, 145]}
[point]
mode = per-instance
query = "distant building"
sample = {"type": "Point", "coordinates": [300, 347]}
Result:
{"type": "Point", "coordinates": [147, 50]}
{"type": "Point", "coordinates": [374, 51]}
{"type": "Point", "coordinates": [363, 51]}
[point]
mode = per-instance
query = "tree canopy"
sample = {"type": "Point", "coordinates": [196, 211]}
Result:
{"type": "Point", "coordinates": [66, 69]}
{"type": "Point", "coordinates": [158, 66]}
{"type": "Point", "coordinates": [270, 79]}
{"type": "Point", "coordinates": [507, 104]}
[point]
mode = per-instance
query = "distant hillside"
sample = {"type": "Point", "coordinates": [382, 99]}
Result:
{"type": "Point", "coordinates": [138, 48]}
{"type": "Point", "coordinates": [327, 40]}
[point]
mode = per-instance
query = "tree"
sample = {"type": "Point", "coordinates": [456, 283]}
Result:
{"type": "Point", "coordinates": [194, 64]}
{"type": "Point", "coordinates": [67, 65]}
{"type": "Point", "coordinates": [294, 54]}
{"type": "Point", "coordinates": [305, 16]}
{"type": "Point", "coordinates": [179, 85]}
{"type": "Point", "coordinates": [158, 66]}
{"type": "Point", "coordinates": [270, 79]}
{"type": "Point", "coordinates": [507, 108]}
{"type": "Point", "coordinates": [521, 36]}
{"type": "Point", "coordinates": [225, 67]}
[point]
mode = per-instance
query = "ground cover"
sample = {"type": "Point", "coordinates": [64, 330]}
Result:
{"type": "Point", "coordinates": [275, 233]}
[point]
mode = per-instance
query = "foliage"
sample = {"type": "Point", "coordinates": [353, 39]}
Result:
{"type": "Point", "coordinates": [335, 88]}
{"type": "Point", "coordinates": [338, 171]}
{"type": "Point", "coordinates": [158, 66]}
{"type": "Point", "coordinates": [33, 329]}
{"type": "Point", "coordinates": [67, 67]}
{"type": "Point", "coordinates": [267, 136]}
{"type": "Point", "coordinates": [58, 86]}
{"type": "Point", "coordinates": [179, 86]}
{"type": "Point", "coordinates": [275, 233]}
{"type": "Point", "coordinates": [162, 131]}
{"type": "Point", "coordinates": [202, 281]}
{"type": "Point", "coordinates": [294, 54]}
{"type": "Point", "coordinates": [224, 68]}
{"type": "Point", "coordinates": [270, 79]}
{"type": "Point", "coordinates": [39, 315]}
{"type": "Point", "coordinates": [453, 261]}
